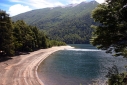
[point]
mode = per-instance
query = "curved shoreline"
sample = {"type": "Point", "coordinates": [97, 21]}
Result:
{"type": "Point", "coordinates": [58, 48]}
{"type": "Point", "coordinates": [22, 70]}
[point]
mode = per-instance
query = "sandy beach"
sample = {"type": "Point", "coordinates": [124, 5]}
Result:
{"type": "Point", "coordinates": [22, 70]}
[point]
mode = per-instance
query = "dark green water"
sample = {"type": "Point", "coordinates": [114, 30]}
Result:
{"type": "Point", "coordinates": [77, 66]}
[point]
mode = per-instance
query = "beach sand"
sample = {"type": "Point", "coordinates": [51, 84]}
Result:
{"type": "Point", "coordinates": [22, 70]}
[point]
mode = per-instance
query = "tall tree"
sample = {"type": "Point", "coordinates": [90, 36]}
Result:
{"type": "Point", "coordinates": [111, 33]}
{"type": "Point", "coordinates": [24, 36]}
{"type": "Point", "coordinates": [28, 38]}
{"type": "Point", "coordinates": [6, 34]}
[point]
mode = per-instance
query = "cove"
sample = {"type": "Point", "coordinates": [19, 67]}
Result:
{"type": "Point", "coordinates": [77, 66]}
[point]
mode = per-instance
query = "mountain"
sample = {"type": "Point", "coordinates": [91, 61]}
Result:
{"type": "Point", "coordinates": [70, 23]}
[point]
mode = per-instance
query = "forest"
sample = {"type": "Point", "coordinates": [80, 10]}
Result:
{"type": "Point", "coordinates": [109, 32]}
{"type": "Point", "coordinates": [69, 24]}
{"type": "Point", "coordinates": [16, 37]}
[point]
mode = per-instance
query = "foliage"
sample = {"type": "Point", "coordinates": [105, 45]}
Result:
{"type": "Point", "coordinates": [67, 30]}
{"type": "Point", "coordinates": [6, 35]}
{"type": "Point", "coordinates": [27, 38]}
{"type": "Point", "coordinates": [111, 34]}
{"type": "Point", "coordinates": [18, 37]}
{"type": "Point", "coordinates": [116, 78]}
{"type": "Point", "coordinates": [68, 24]}
{"type": "Point", "coordinates": [55, 43]}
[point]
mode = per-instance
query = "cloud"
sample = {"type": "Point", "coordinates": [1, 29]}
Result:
{"type": "Point", "coordinates": [75, 1]}
{"type": "Point", "coordinates": [100, 1]}
{"type": "Point", "coordinates": [36, 4]}
{"type": "Point", "coordinates": [44, 3]}
{"type": "Point", "coordinates": [27, 5]}
{"type": "Point", "coordinates": [17, 9]}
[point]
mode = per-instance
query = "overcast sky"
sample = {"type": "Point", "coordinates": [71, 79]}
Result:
{"type": "Point", "coordinates": [14, 7]}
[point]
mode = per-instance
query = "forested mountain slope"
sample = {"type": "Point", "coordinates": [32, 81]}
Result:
{"type": "Point", "coordinates": [70, 24]}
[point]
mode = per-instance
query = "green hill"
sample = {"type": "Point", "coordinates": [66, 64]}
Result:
{"type": "Point", "coordinates": [70, 24]}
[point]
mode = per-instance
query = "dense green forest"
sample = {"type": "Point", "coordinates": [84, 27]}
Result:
{"type": "Point", "coordinates": [111, 34]}
{"type": "Point", "coordinates": [18, 37]}
{"type": "Point", "coordinates": [70, 24]}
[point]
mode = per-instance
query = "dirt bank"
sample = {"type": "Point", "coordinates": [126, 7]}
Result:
{"type": "Point", "coordinates": [22, 70]}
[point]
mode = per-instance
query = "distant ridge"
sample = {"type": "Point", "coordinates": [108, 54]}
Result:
{"type": "Point", "coordinates": [70, 23]}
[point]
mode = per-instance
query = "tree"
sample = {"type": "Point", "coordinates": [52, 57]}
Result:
{"type": "Point", "coordinates": [6, 34]}
{"type": "Point", "coordinates": [27, 38]}
{"type": "Point", "coordinates": [111, 33]}
{"type": "Point", "coordinates": [23, 36]}
{"type": "Point", "coordinates": [19, 37]}
{"type": "Point", "coordinates": [17, 33]}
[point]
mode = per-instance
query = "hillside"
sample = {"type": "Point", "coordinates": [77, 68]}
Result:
{"type": "Point", "coordinates": [70, 24]}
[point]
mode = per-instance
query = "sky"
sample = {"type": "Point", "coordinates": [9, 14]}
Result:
{"type": "Point", "coordinates": [14, 7]}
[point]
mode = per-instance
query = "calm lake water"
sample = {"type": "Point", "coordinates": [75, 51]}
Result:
{"type": "Point", "coordinates": [78, 66]}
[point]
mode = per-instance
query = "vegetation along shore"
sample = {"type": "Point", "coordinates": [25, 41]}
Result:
{"type": "Point", "coordinates": [28, 39]}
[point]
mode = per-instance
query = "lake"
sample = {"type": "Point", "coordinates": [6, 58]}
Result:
{"type": "Point", "coordinates": [78, 66]}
